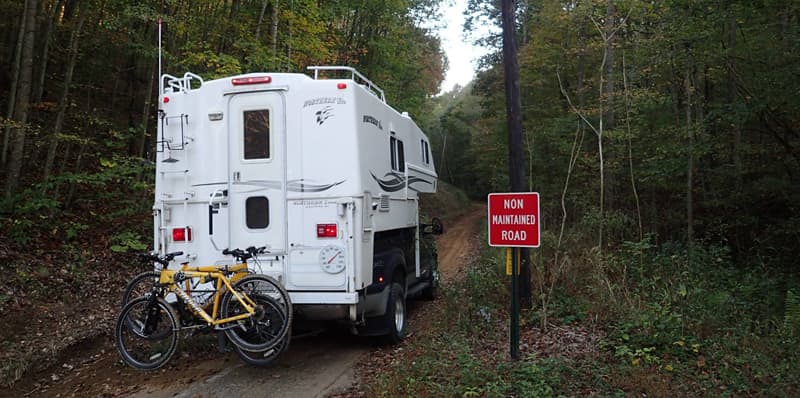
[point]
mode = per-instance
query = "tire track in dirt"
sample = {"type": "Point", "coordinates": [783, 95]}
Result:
{"type": "Point", "coordinates": [457, 242]}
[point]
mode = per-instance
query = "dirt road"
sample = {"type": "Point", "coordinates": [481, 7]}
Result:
{"type": "Point", "coordinates": [314, 366]}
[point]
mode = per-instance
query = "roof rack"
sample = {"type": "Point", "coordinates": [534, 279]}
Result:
{"type": "Point", "coordinates": [371, 87]}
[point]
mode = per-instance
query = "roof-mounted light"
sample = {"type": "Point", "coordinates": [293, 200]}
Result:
{"type": "Point", "coordinates": [240, 81]}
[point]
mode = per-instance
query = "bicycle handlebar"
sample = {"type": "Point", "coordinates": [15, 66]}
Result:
{"type": "Point", "coordinates": [244, 255]}
{"type": "Point", "coordinates": [164, 261]}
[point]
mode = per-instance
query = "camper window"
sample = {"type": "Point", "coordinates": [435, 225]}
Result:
{"type": "Point", "coordinates": [398, 154]}
{"type": "Point", "coordinates": [256, 134]}
{"type": "Point", "coordinates": [257, 212]}
{"type": "Point", "coordinates": [425, 153]}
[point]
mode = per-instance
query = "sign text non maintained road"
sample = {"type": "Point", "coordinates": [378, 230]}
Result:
{"type": "Point", "coordinates": [514, 219]}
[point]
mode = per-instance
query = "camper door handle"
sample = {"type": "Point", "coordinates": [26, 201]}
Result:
{"type": "Point", "coordinates": [237, 176]}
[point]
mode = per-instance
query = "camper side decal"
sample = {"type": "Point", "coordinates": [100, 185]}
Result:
{"type": "Point", "coordinates": [300, 185]}
{"type": "Point", "coordinates": [393, 182]}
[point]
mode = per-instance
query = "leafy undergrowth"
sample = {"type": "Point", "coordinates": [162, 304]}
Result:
{"type": "Point", "coordinates": [620, 325]}
{"type": "Point", "coordinates": [65, 263]}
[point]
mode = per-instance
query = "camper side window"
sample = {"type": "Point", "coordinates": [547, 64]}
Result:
{"type": "Point", "coordinates": [256, 134]}
{"type": "Point", "coordinates": [398, 154]}
{"type": "Point", "coordinates": [426, 157]}
{"type": "Point", "coordinates": [257, 212]}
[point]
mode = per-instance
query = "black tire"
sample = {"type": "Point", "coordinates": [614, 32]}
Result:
{"type": "Point", "coordinates": [260, 332]}
{"type": "Point", "coordinates": [139, 286]}
{"type": "Point", "coordinates": [153, 337]}
{"type": "Point", "coordinates": [396, 315]}
{"type": "Point", "coordinates": [264, 358]}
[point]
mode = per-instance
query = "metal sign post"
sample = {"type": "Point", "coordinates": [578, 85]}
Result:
{"type": "Point", "coordinates": [515, 303]}
{"type": "Point", "coordinates": [514, 223]}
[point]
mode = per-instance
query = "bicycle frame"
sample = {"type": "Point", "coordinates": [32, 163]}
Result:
{"type": "Point", "coordinates": [239, 271]}
{"type": "Point", "coordinates": [167, 279]}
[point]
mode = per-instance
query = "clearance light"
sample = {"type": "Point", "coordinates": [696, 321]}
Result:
{"type": "Point", "coordinates": [326, 230]}
{"type": "Point", "coordinates": [341, 86]}
{"type": "Point", "coordinates": [239, 81]}
{"type": "Point", "coordinates": [181, 234]}
{"type": "Point", "coordinates": [166, 99]}
{"type": "Point", "coordinates": [380, 279]}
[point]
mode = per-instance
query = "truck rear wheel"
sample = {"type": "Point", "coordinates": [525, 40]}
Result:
{"type": "Point", "coordinates": [396, 314]}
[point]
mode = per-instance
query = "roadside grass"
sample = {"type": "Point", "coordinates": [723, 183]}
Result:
{"type": "Point", "coordinates": [637, 321]}
{"type": "Point", "coordinates": [463, 351]}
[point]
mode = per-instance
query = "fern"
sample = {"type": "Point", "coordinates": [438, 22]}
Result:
{"type": "Point", "coordinates": [791, 320]}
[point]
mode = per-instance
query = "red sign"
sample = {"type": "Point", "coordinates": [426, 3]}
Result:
{"type": "Point", "coordinates": [514, 219]}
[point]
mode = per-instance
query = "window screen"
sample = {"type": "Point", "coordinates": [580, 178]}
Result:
{"type": "Point", "coordinates": [257, 212]}
{"type": "Point", "coordinates": [398, 154]}
{"type": "Point", "coordinates": [256, 134]}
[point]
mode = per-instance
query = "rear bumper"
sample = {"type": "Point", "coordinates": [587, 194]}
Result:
{"type": "Point", "coordinates": [338, 305]}
{"type": "Point", "coordinates": [300, 298]}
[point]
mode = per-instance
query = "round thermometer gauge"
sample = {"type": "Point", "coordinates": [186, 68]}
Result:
{"type": "Point", "coordinates": [331, 259]}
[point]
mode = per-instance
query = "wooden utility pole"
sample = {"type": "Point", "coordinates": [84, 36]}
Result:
{"type": "Point", "coordinates": [516, 163]}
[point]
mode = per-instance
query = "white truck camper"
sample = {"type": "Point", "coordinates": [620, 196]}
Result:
{"type": "Point", "coordinates": [322, 172]}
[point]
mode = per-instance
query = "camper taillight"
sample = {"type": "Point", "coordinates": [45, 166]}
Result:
{"type": "Point", "coordinates": [326, 230]}
{"type": "Point", "coordinates": [239, 81]}
{"type": "Point", "coordinates": [181, 234]}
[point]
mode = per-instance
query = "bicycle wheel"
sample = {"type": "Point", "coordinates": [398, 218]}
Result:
{"type": "Point", "coordinates": [139, 286]}
{"type": "Point", "coordinates": [146, 333]}
{"type": "Point", "coordinates": [268, 286]}
{"type": "Point", "coordinates": [264, 358]}
{"type": "Point", "coordinates": [261, 331]}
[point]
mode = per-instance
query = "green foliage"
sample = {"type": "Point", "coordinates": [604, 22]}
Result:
{"type": "Point", "coordinates": [791, 319]}
{"type": "Point", "coordinates": [126, 241]}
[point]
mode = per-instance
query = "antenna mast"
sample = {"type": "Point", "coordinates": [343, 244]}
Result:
{"type": "Point", "coordinates": [160, 81]}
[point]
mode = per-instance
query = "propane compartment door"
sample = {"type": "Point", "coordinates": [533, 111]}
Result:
{"type": "Point", "coordinates": [256, 178]}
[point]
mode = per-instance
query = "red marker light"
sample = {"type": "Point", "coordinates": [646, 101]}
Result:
{"type": "Point", "coordinates": [341, 86]}
{"type": "Point", "coordinates": [326, 231]}
{"type": "Point", "coordinates": [181, 234]}
{"type": "Point", "coordinates": [380, 279]}
{"type": "Point", "coordinates": [239, 81]}
{"type": "Point", "coordinates": [166, 99]}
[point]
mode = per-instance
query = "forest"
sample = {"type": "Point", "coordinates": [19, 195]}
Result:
{"type": "Point", "coordinates": [663, 136]}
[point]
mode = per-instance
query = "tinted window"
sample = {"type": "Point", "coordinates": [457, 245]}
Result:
{"type": "Point", "coordinates": [257, 212]}
{"type": "Point", "coordinates": [256, 134]}
{"type": "Point", "coordinates": [398, 154]}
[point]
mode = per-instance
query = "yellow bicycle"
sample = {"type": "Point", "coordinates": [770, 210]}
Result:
{"type": "Point", "coordinates": [254, 313]}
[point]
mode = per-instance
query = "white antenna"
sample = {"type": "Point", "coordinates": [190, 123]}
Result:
{"type": "Point", "coordinates": [160, 82]}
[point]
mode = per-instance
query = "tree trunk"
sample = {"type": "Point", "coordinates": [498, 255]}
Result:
{"type": "Point", "coordinates": [690, 163]}
{"type": "Point", "coordinates": [64, 101]}
{"type": "Point", "coordinates": [39, 90]}
{"type": "Point", "coordinates": [275, 33]}
{"type": "Point", "coordinates": [626, 88]}
{"type": "Point", "coordinates": [260, 19]}
{"type": "Point", "coordinates": [142, 140]}
{"type": "Point", "coordinates": [12, 92]}
{"type": "Point", "coordinates": [609, 118]}
{"type": "Point", "coordinates": [23, 100]}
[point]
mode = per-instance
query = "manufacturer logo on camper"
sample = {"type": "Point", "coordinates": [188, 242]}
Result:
{"type": "Point", "coordinates": [323, 114]}
{"type": "Point", "coordinates": [324, 101]}
{"type": "Point", "coordinates": [372, 120]}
